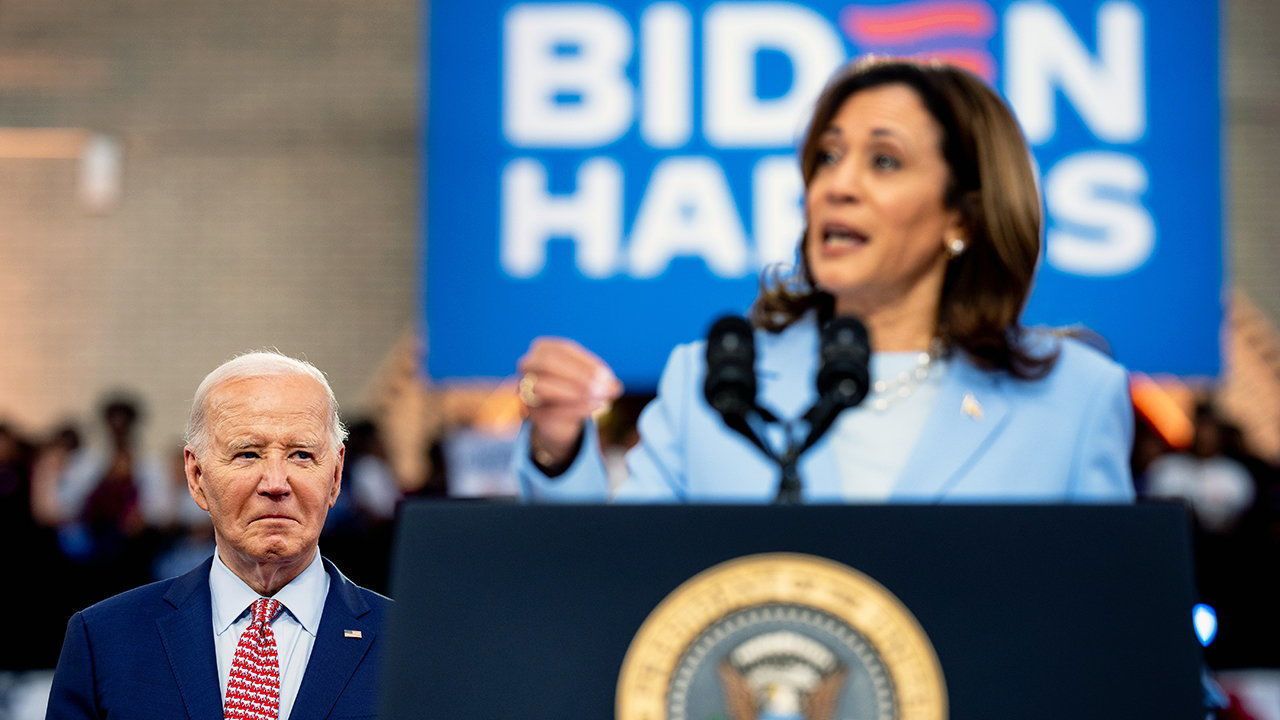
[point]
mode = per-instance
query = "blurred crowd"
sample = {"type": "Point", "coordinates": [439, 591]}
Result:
{"type": "Point", "coordinates": [1233, 498]}
{"type": "Point", "coordinates": [85, 513]}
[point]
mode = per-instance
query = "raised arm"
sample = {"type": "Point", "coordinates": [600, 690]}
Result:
{"type": "Point", "coordinates": [557, 455]}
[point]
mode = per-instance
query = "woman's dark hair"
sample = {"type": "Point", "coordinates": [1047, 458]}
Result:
{"type": "Point", "coordinates": [992, 184]}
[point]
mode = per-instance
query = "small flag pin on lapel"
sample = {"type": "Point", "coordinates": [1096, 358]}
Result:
{"type": "Point", "coordinates": [352, 634]}
{"type": "Point", "coordinates": [971, 407]}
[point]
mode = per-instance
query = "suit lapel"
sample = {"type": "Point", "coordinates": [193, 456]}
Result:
{"type": "Point", "coordinates": [335, 656]}
{"type": "Point", "coordinates": [970, 410]}
{"type": "Point", "coordinates": [187, 636]}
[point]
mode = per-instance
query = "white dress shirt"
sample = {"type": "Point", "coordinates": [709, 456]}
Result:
{"type": "Point", "coordinates": [295, 629]}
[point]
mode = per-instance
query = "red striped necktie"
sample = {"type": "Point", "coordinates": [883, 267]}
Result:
{"type": "Point", "coordinates": [253, 690]}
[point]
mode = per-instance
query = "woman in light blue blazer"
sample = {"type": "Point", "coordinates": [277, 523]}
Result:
{"type": "Point", "coordinates": [923, 220]}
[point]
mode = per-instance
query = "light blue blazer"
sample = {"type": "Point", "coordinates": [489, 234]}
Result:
{"type": "Point", "coordinates": [990, 437]}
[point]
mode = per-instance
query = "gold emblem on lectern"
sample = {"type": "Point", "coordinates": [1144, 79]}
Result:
{"type": "Point", "coordinates": [781, 637]}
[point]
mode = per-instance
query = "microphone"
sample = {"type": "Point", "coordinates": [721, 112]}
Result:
{"type": "Point", "coordinates": [844, 377]}
{"type": "Point", "coordinates": [730, 386]}
{"type": "Point", "coordinates": [844, 374]}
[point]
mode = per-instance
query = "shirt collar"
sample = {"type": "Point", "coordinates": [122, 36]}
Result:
{"type": "Point", "coordinates": [303, 597]}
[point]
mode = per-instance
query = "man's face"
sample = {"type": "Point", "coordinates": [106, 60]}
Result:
{"type": "Point", "coordinates": [268, 476]}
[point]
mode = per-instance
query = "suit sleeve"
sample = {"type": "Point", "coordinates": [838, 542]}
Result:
{"type": "Point", "coordinates": [74, 695]}
{"type": "Point", "coordinates": [1102, 473]}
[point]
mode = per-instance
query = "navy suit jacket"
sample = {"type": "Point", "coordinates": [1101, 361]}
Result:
{"type": "Point", "coordinates": [148, 653]}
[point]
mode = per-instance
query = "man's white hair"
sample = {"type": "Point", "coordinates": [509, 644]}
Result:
{"type": "Point", "coordinates": [264, 363]}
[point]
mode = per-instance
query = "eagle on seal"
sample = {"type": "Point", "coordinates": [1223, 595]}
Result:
{"type": "Point", "coordinates": [779, 701]}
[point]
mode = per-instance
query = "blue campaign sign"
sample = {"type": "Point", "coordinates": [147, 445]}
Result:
{"type": "Point", "coordinates": [619, 172]}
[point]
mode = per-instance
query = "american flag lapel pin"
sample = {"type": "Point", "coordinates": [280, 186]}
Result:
{"type": "Point", "coordinates": [971, 407]}
{"type": "Point", "coordinates": [352, 634]}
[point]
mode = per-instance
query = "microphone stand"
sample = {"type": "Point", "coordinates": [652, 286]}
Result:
{"type": "Point", "coordinates": [842, 383]}
{"type": "Point", "coordinates": [820, 417]}
{"type": "Point", "coordinates": [789, 486]}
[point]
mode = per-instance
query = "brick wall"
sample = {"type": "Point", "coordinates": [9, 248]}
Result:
{"type": "Point", "coordinates": [268, 196]}
{"type": "Point", "coordinates": [1252, 152]}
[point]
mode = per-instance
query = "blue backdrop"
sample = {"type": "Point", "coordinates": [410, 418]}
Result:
{"type": "Point", "coordinates": [619, 172]}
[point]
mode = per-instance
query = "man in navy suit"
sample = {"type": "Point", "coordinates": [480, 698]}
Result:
{"type": "Point", "coordinates": [265, 627]}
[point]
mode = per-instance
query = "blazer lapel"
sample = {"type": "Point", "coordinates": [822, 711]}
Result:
{"type": "Point", "coordinates": [787, 374]}
{"type": "Point", "coordinates": [336, 653]}
{"type": "Point", "coordinates": [786, 368]}
{"type": "Point", "coordinates": [969, 411]}
{"type": "Point", "coordinates": [187, 636]}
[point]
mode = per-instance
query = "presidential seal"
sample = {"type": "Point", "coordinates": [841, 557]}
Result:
{"type": "Point", "coordinates": [781, 637]}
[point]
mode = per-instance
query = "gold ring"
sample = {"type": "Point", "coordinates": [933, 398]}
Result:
{"type": "Point", "coordinates": [527, 395]}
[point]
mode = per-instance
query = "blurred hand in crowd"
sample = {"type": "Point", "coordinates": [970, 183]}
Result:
{"type": "Point", "coordinates": [51, 463]}
{"type": "Point", "coordinates": [562, 384]}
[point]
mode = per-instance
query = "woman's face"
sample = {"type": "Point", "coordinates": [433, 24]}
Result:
{"type": "Point", "coordinates": [875, 205]}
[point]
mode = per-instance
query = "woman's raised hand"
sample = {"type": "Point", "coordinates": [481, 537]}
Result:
{"type": "Point", "coordinates": [562, 384]}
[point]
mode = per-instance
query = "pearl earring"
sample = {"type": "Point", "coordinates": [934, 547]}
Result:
{"type": "Point", "coordinates": [955, 246]}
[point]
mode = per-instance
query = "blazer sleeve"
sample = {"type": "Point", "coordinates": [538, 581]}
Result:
{"type": "Point", "coordinates": [656, 466]}
{"type": "Point", "coordinates": [1102, 473]}
{"type": "Point", "coordinates": [74, 694]}
{"type": "Point", "coordinates": [584, 481]}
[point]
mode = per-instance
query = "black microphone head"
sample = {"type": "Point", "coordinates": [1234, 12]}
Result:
{"type": "Point", "coordinates": [730, 385]}
{"type": "Point", "coordinates": [844, 373]}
